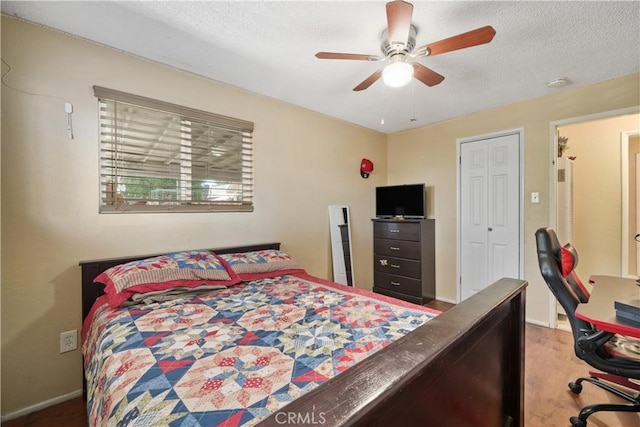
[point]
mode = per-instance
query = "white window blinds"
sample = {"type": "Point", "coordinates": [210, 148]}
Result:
{"type": "Point", "coordinates": [161, 157]}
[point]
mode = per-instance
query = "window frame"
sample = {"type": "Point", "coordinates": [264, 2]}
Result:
{"type": "Point", "coordinates": [112, 152]}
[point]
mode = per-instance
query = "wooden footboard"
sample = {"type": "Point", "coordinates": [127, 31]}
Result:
{"type": "Point", "coordinates": [463, 368]}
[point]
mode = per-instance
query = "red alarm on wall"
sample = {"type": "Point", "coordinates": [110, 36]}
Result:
{"type": "Point", "coordinates": [366, 167]}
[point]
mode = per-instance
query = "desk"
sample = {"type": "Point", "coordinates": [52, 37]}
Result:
{"type": "Point", "coordinates": [600, 310]}
{"type": "Point", "coordinates": [621, 281]}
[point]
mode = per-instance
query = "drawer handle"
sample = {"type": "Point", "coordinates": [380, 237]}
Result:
{"type": "Point", "coordinates": [395, 283]}
{"type": "Point", "coordinates": [393, 248]}
{"type": "Point", "coordinates": [394, 231]}
{"type": "Point", "coordinates": [394, 265]}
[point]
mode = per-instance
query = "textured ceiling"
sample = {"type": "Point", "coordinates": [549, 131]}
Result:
{"type": "Point", "coordinates": [268, 48]}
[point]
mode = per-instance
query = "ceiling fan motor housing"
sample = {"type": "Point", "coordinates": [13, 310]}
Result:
{"type": "Point", "coordinates": [389, 50]}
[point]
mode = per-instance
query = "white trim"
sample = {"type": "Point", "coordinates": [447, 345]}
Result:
{"type": "Point", "coordinates": [625, 239]}
{"type": "Point", "coordinates": [594, 117]}
{"type": "Point", "coordinates": [624, 171]}
{"type": "Point", "coordinates": [459, 142]}
{"type": "Point", "coordinates": [553, 126]}
{"type": "Point", "coordinates": [458, 227]}
{"type": "Point", "coordinates": [40, 406]}
{"type": "Point", "coordinates": [637, 211]}
{"type": "Point", "coordinates": [538, 322]}
{"type": "Point", "coordinates": [553, 203]}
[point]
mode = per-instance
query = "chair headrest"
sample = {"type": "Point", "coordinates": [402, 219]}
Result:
{"type": "Point", "coordinates": [568, 257]}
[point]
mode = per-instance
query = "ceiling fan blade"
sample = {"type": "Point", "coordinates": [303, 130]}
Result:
{"type": "Point", "coordinates": [399, 21]}
{"type": "Point", "coordinates": [426, 75]}
{"type": "Point", "coordinates": [354, 56]}
{"type": "Point", "coordinates": [471, 38]}
{"type": "Point", "coordinates": [368, 81]}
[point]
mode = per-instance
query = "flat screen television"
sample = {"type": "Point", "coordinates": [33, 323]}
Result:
{"type": "Point", "coordinates": [406, 201]}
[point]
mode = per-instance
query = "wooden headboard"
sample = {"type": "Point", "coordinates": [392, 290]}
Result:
{"type": "Point", "coordinates": [90, 270]}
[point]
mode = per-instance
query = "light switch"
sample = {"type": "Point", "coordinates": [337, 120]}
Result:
{"type": "Point", "coordinates": [535, 197]}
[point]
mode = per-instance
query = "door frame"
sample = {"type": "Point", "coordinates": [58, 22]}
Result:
{"type": "Point", "coordinates": [624, 158]}
{"type": "Point", "coordinates": [553, 174]}
{"type": "Point", "coordinates": [459, 142]}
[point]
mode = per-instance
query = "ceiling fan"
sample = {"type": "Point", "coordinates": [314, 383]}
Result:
{"type": "Point", "coordinates": [398, 42]}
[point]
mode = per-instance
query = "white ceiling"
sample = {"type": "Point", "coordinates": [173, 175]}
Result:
{"type": "Point", "coordinates": [268, 48]}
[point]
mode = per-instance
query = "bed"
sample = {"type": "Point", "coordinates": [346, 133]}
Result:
{"type": "Point", "coordinates": [259, 351]}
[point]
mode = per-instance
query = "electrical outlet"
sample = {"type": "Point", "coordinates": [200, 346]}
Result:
{"type": "Point", "coordinates": [68, 341]}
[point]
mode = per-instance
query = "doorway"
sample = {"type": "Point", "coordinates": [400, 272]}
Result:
{"type": "Point", "coordinates": [490, 207]}
{"type": "Point", "coordinates": [601, 212]}
{"type": "Point", "coordinates": [630, 165]}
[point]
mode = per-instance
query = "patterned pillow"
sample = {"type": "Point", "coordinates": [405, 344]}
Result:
{"type": "Point", "coordinates": [261, 264]}
{"type": "Point", "coordinates": [187, 269]}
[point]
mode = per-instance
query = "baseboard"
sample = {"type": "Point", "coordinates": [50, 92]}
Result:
{"type": "Point", "coordinates": [539, 323]}
{"type": "Point", "coordinates": [40, 406]}
{"type": "Point", "coordinates": [450, 301]}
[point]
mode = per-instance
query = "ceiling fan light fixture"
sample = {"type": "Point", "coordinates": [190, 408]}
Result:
{"type": "Point", "coordinates": [397, 74]}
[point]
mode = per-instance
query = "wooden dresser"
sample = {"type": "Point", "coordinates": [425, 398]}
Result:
{"type": "Point", "coordinates": [404, 259]}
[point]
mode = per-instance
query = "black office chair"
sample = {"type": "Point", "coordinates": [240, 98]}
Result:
{"type": "Point", "coordinates": [602, 350]}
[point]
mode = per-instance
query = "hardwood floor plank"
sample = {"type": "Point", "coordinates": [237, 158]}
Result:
{"type": "Point", "coordinates": [71, 413]}
{"type": "Point", "coordinates": [550, 365]}
{"type": "Point", "coordinates": [439, 305]}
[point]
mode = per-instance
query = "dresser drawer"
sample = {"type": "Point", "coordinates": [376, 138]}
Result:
{"type": "Point", "coordinates": [397, 248]}
{"type": "Point", "coordinates": [400, 284]}
{"type": "Point", "coordinates": [399, 266]}
{"type": "Point", "coordinates": [397, 230]}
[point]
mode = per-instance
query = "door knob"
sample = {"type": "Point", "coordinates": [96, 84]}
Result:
{"type": "Point", "coordinates": [490, 229]}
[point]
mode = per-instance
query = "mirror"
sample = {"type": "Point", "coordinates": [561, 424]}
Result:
{"type": "Point", "coordinates": [341, 244]}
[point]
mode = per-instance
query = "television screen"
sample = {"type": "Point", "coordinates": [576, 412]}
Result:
{"type": "Point", "coordinates": [406, 201]}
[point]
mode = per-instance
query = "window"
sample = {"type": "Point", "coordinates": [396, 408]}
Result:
{"type": "Point", "coordinates": [161, 157]}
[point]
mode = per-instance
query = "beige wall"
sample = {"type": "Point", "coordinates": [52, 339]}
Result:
{"type": "Point", "coordinates": [303, 163]}
{"type": "Point", "coordinates": [428, 154]}
{"type": "Point", "coordinates": [597, 195]}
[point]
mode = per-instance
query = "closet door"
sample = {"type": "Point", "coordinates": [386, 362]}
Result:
{"type": "Point", "coordinates": [489, 212]}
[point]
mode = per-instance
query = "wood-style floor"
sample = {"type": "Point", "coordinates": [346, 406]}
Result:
{"type": "Point", "coordinates": [549, 366]}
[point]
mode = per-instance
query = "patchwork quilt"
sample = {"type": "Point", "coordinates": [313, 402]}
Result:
{"type": "Point", "coordinates": [231, 357]}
